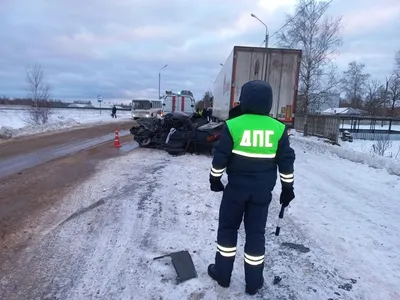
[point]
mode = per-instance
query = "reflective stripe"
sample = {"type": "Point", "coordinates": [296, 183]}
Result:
{"type": "Point", "coordinates": [218, 170]}
{"type": "Point", "coordinates": [254, 155]}
{"type": "Point", "coordinates": [287, 177]}
{"type": "Point", "coordinates": [227, 254]}
{"type": "Point", "coordinates": [226, 251]}
{"type": "Point", "coordinates": [253, 263]}
{"type": "Point", "coordinates": [254, 257]}
{"type": "Point", "coordinates": [287, 180]}
{"type": "Point", "coordinates": [216, 174]}
{"type": "Point", "coordinates": [253, 260]}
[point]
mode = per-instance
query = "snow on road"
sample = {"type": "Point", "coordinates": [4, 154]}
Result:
{"type": "Point", "coordinates": [16, 118]}
{"type": "Point", "coordinates": [353, 211]}
{"type": "Point", "coordinates": [342, 231]}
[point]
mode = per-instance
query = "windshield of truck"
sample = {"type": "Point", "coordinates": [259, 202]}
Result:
{"type": "Point", "coordinates": [141, 104]}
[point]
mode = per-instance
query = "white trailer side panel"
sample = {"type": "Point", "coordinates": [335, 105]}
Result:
{"type": "Point", "coordinates": [222, 90]}
{"type": "Point", "coordinates": [280, 67]}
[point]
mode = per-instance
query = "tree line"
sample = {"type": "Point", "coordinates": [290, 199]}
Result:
{"type": "Point", "coordinates": [364, 92]}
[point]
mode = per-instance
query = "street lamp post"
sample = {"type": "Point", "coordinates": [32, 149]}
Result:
{"type": "Point", "coordinates": [266, 29]}
{"type": "Point", "coordinates": [159, 82]}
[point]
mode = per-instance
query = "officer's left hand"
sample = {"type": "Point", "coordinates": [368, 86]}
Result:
{"type": "Point", "coordinates": [216, 185]}
{"type": "Point", "coordinates": [287, 195]}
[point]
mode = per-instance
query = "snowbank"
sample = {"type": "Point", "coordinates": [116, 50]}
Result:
{"type": "Point", "coordinates": [14, 120]}
{"type": "Point", "coordinates": [374, 161]}
{"type": "Point", "coordinates": [365, 146]}
{"type": "Point", "coordinates": [51, 126]}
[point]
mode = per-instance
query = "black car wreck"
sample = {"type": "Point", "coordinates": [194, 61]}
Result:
{"type": "Point", "coordinates": [177, 133]}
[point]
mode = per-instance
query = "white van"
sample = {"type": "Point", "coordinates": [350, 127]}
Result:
{"type": "Point", "coordinates": [143, 108]}
{"type": "Point", "coordinates": [181, 103]}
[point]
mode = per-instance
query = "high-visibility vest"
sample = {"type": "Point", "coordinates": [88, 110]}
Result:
{"type": "Point", "coordinates": [255, 136]}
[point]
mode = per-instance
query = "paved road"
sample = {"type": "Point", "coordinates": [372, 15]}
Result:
{"type": "Point", "coordinates": [35, 172]}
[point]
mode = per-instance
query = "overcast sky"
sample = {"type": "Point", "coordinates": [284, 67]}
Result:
{"type": "Point", "coordinates": [116, 47]}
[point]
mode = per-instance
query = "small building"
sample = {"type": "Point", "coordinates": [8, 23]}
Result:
{"type": "Point", "coordinates": [349, 111]}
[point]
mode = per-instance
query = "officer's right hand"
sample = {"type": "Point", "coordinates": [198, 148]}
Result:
{"type": "Point", "coordinates": [287, 195]}
{"type": "Point", "coordinates": [216, 186]}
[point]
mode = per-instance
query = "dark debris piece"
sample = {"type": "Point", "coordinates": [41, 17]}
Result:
{"type": "Point", "coordinates": [346, 286]}
{"type": "Point", "coordinates": [277, 279]}
{"type": "Point", "coordinates": [298, 247]}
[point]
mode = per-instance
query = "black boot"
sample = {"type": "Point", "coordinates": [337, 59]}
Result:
{"type": "Point", "coordinates": [212, 272]}
{"type": "Point", "coordinates": [254, 291]}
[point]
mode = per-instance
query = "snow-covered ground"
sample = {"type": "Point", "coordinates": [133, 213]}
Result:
{"type": "Point", "coordinates": [17, 119]}
{"type": "Point", "coordinates": [147, 203]}
{"type": "Point", "coordinates": [358, 150]}
{"type": "Point", "coordinates": [365, 146]}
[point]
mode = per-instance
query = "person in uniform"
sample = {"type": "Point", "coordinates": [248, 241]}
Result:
{"type": "Point", "coordinates": [251, 149]}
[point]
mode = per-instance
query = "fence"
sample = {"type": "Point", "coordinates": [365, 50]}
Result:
{"type": "Point", "coordinates": [375, 136]}
{"type": "Point", "coordinates": [319, 125]}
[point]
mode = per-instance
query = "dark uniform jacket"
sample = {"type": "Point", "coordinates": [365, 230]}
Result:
{"type": "Point", "coordinates": [255, 98]}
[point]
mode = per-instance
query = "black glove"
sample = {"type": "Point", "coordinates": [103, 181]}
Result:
{"type": "Point", "coordinates": [287, 195]}
{"type": "Point", "coordinates": [216, 184]}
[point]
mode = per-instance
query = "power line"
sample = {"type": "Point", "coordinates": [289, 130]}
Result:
{"type": "Point", "coordinates": [292, 18]}
{"type": "Point", "coordinates": [288, 22]}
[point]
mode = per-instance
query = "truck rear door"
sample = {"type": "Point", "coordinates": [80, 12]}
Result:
{"type": "Point", "coordinates": [186, 104]}
{"type": "Point", "coordinates": [169, 104]}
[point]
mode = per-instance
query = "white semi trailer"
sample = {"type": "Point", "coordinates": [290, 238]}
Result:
{"type": "Point", "coordinates": [280, 67]}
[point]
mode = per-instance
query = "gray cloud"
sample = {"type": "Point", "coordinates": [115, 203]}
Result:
{"type": "Point", "coordinates": [115, 48]}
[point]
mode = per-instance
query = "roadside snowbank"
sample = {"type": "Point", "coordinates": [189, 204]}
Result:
{"type": "Point", "coordinates": [365, 146]}
{"type": "Point", "coordinates": [13, 121]}
{"type": "Point", "coordinates": [374, 161]}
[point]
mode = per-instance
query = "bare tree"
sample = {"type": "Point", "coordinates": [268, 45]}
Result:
{"type": "Point", "coordinates": [393, 84]}
{"type": "Point", "coordinates": [397, 62]}
{"type": "Point", "coordinates": [207, 99]}
{"type": "Point", "coordinates": [373, 99]}
{"type": "Point", "coordinates": [319, 40]}
{"type": "Point", "coordinates": [394, 91]}
{"type": "Point", "coordinates": [397, 154]}
{"type": "Point", "coordinates": [381, 146]}
{"type": "Point", "coordinates": [354, 83]}
{"type": "Point", "coordinates": [39, 91]}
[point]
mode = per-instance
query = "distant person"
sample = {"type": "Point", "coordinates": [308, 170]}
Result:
{"type": "Point", "coordinates": [200, 110]}
{"type": "Point", "coordinates": [114, 111]}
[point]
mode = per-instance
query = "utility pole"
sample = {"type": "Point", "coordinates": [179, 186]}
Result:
{"type": "Point", "coordinates": [159, 82]}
